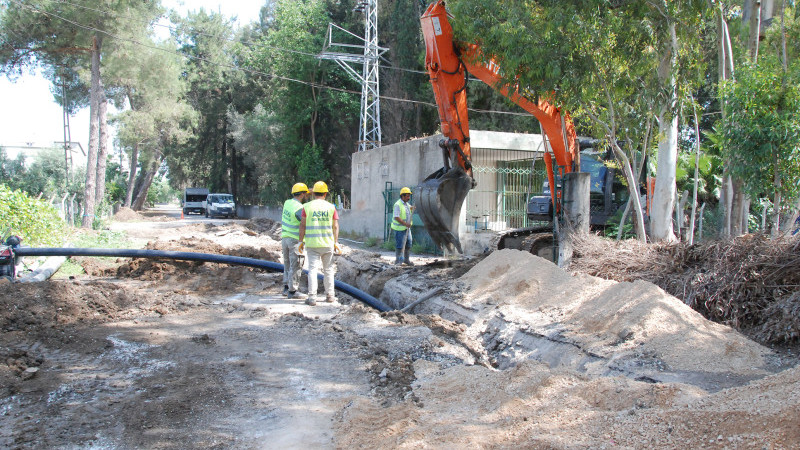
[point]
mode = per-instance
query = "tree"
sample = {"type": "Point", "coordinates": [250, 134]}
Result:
{"type": "Point", "coordinates": [600, 60]}
{"type": "Point", "coordinates": [300, 117]}
{"type": "Point", "coordinates": [149, 81]}
{"type": "Point", "coordinates": [57, 34]}
{"type": "Point", "coordinates": [762, 131]}
{"type": "Point", "coordinates": [206, 39]}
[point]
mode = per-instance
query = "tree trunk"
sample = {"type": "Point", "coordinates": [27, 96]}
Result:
{"type": "Point", "coordinates": [755, 30]}
{"type": "Point", "coordinates": [726, 72]}
{"type": "Point", "coordinates": [94, 136]}
{"type": "Point", "coordinates": [664, 194]}
{"type": "Point", "coordinates": [148, 177]}
{"type": "Point", "coordinates": [102, 149]}
{"type": "Point", "coordinates": [776, 204]}
{"type": "Point", "coordinates": [633, 191]}
{"type": "Point", "coordinates": [696, 174]}
{"type": "Point", "coordinates": [132, 175]}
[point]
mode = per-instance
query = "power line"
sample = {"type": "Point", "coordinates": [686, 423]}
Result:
{"type": "Point", "coordinates": [243, 69]}
{"type": "Point", "coordinates": [246, 43]}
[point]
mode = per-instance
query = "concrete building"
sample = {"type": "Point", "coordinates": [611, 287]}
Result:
{"type": "Point", "coordinates": [507, 167]}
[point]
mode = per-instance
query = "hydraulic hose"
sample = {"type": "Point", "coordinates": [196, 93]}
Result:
{"type": "Point", "coordinates": [192, 256]}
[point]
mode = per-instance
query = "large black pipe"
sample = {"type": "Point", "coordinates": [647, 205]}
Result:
{"type": "Point", "coordinates": [192, 256]}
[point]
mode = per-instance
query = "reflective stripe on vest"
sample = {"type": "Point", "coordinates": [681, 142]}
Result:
{"type": "Point", "coordinates": [319, 223]}
{"type": "Point", "coordinates": [290, 224]}
{"type": "Point", "coordinates": [403, 214]}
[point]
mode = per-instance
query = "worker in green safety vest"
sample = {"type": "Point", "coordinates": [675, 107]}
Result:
{"type": "Point", "coordinates": [319, 238]}
{"type": "Point", "coordinates": [402, 220]}
{"type": "Point", "coordinates": [290, 237]}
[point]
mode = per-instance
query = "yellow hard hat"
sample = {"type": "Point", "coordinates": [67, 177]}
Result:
{"type": "Point", "coordinates": [405, 190]}
{"type": "Point", "coordinates": [299, 187]}
{"type": "Point", "coordinates": [320, 187]}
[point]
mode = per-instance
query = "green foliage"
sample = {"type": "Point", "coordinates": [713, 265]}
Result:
{"type": "Point", "coordinates": [311, 165]}
{"type": "Point", "coordinates": [100, 239]}
{"type": "Point", "coordinates": [34, 220]}
{"type": "Point", "coordinates": [371, 241]}
{"type": "Point", "coordinates": [298, 132]}
{"type": "Point", "coordinates": [612, 226]}
{"type": "Point", "coordinates": [761, 132]}
{"type": "Point", "coordinates": [42, 174]}
{"type": "Point", "coordinates": [162, 192]}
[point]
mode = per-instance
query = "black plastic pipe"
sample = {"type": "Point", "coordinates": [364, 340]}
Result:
{"type": "Point", "coordinates": [192, 256]}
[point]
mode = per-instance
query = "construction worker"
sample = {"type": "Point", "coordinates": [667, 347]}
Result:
{"type": "Point", "coordinates": [319, 238]}
{"type": "Point", "coordinates": [290, 237]}
{"type": "Point", "coordinates": [401, 224]}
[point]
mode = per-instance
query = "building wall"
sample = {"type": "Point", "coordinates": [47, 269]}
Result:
{"type": "Point", "coordinates": [408, 163]}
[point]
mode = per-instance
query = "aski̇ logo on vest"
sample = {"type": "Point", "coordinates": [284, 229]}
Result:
{"type": "Point", "coordinates": [320, 214]}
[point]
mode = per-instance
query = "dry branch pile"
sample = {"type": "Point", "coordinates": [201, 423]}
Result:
{"type": "Point", "coordinates": [751, 283]}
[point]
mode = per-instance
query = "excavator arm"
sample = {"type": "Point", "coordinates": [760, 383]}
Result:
{"type": "Point", "coordinates": [441, 195]}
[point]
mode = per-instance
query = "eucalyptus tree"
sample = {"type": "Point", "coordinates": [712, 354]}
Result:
{"type": "Point", "coordinates": [618, 67]}
{"type": "Point", "coordinates": [761, 130]}
{"type": "Point", "coordinates": [54, 34]}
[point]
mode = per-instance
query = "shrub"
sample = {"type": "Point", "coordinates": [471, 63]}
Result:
{"type": "Point", "coordinates": [35, 221]}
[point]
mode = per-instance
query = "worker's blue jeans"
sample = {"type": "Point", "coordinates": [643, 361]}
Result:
{"type": "Point", "coordinates": [398, 239]}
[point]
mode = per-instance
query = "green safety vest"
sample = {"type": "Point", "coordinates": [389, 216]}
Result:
{"type": "Point", "coordinates": [403, 214]}
{"type": "Point", "coordinates": [319, 223]}
{"type": "Point", "coordinates": [290, 224]}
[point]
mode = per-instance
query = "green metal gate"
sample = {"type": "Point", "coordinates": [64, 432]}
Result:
{"type": "Point", "coordinates": [505, 181]}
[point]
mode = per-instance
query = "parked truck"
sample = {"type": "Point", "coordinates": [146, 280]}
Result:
{"type": "Point", "coordinates": [194, 200]}
{"type": "Point", "coordinates": [218, 204]}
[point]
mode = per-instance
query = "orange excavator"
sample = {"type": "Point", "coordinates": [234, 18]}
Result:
{"type": "Point", "coordinates": [441, 195]}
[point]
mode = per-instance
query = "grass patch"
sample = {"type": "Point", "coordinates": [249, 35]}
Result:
{"type": "Point", "coordinates": [100, 239]}
{"type": "Point", "coordinates": [83, 238]}
{"type": "Point", "coordinates": [371, 241]}
{"type": "Point", "coordinates": [68, 269]}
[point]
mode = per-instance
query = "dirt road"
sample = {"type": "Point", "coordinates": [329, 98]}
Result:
{"type": "Point", "coordinates": [160, 354]}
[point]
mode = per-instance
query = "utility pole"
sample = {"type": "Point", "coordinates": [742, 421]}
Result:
{"type": "Point", "coordinates": [67, 135]}
{"type": "Point", "coordinates": [369, 134]}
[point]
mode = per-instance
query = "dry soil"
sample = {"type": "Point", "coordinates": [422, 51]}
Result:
{"type": "Point", "coordinates": [512, 352]}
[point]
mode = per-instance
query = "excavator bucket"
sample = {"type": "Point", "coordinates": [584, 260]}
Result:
{"type": "Point", "coordinates": [439, 200]}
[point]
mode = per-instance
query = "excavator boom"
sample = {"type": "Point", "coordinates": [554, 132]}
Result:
{"type": "Point", "coordinates": [441, 195]}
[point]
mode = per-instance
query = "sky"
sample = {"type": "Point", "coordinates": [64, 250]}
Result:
{"type": "Point", "coordinates": [29, 117]}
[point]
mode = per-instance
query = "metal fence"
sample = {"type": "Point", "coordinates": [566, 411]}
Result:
{"type": "Point", "coordinates": [506, 178]}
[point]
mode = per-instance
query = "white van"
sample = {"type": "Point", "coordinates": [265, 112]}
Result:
{"type": "Point", "coordinates": [220, 205]}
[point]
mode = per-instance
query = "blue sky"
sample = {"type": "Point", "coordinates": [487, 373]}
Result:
{"type": "Point", "coordinates": [30, 116]}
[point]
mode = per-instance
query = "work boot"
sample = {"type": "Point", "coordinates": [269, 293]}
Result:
{"type": "Point", "coordinates": [398, 256]}
{"type": "Point", "coordinates": [330, 299]}
{"type": "Point", "coordinates": [407, 258]}
{"type": "Point", "coordinates": [285, 290]}
{"type": "Point", "coordinates": [310, 301]}
{"type": "Point", "coordinates": [295, 294]}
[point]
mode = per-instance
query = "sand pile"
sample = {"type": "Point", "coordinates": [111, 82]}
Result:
{"type": "Point", "coordinates": [127, 215]}
{"type": "Point", "coordinates": [610, 319]}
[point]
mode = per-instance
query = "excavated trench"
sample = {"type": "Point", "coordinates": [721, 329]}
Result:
{"type": "Point", "coordinates": [498, 338]}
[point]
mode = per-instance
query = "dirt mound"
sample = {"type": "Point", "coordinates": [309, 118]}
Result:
{"type": "Point", "coordinates": [51, 313]}
{"type": "Point", "coordinates": [127, 215]}
{"type": "Point", "coordinates": [265, 226]}
{"type": "Point", "coordinates": [532, 406]}
{"type": "Point", "coordinates": [610, 318]}
{"type": "Point", "coordinates": [750, 282]}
